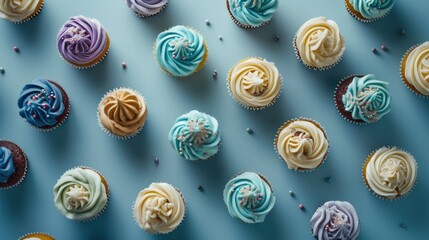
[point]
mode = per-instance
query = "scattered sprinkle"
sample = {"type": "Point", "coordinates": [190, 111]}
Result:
{"type": "Point", "coordinates": [374, 50]}
{"type": "Point", "coordinates": [249, 130]}
{"type": "Point", "coordinates": [403, 225]}
{"type": "Point", "coordinates": [2, 70]}
{"type": "Point", "coordinates": [156, 160]}
{"type": "Point", "coordinates": [220, 38]}
{"type": "Point", "coordinates": [208, 22]}
{"type": "Point", "coordinates": [214, 75]}
{"type": "Point", "coordinates": [301, 206]}
{"type": "Point", "coordinates": [16, 49]}
{"type": "Point", "coordinates": [200, 188]}
{"type": "Point", "coordinates": [277, 38]}
{"type": "Point", "coordinates": [292, 194]}
{"type": "Point", "coordinates": [124, 65]}
{"type": "Point", "coordinates": [384, 48]}
{"type": "Point", "coordinates": [328, 179]}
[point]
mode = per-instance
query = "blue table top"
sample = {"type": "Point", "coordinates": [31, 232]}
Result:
{"type": "Point", "coordinates": [128, 165]}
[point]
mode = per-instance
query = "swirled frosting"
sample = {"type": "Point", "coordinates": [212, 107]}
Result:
{"type": "Point", "coordinates": [417, 68]}
{"type": "Point", "coordinates": [82, 40]}
{"type": "Point", "coordinates": [40, 103]}
{"type": "Point", "coordinates": [391, 172]}
{"type": "Point", "coordinates": [16, 11]}
{"type": "Point", "coordinates": [335, 220]}
{"type": "Point", "coordinates": [253, 12]}
{"type": "Point", "coordinates": [248, 197]}
{"type": "Point", "coordinates": [160, 208]}
{"type": "Point", "coordinates": [80, 194]}
{"type": "Point", "coordinates": [195, 135]}
{"type": "Point", "coordinates": [7, 168]}
{"type": "Point", "coordinates": [254, 82]}
{"type": "Point", "coordinates": [122, 112]}
{"type": "Point", "coordinates": [372, 9]}
{"type": "Point", "coordinates": [180, 50]}
{"type": "Point", "coordinates": [302, 144]}
{"type": "Point", "coordinates": [367, 98]}
{"type": "Point", "coordinates": [319, 43]}
{"type": "Point", "coordinates": [146, 7]}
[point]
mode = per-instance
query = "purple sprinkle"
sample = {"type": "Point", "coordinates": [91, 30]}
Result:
{"type": "Point", "coordinates": [16, 49]}
{"type": "Point", "coordinates": [384, 48]}
{"type": "Point", "coordinates": [374, 50]}
{"type": "Point", "coordinates": [124, 65]}
{"type": "Point", "coordinates": [301, 206]}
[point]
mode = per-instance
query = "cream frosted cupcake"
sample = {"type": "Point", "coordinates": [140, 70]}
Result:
{"type": "Point", "coordinates": [37, 236]}
{"type": "Point", "coordinates": [20, 11]}
{"type": "Point", "coordinates": [159, 208]}
{"type": "Point", "coordinates": [81, 194]}
{"type": "Point", "coordinates": [369, 11]}
{"type": "Point", "coordinates": [254, 83]}
{"type": "Point", "coordinates": [319, 43]}
{"type": "Point", "coordinates": [390, 173]}
{"type": "Point", "coordinates": [415, 69]}
{"type": "Point", "coordinates": [302, 144]}
{"type": "Point", "coordinates": [122, 113]}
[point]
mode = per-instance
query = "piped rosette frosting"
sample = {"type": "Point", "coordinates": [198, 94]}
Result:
{"type": "Point", "coordinates": [252, 13]}
{"type": "Point", "coordinates": [146, 8]}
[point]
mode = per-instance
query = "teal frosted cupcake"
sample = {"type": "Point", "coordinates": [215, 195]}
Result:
{"type": "Point", "coordinates": [251, 13]}
{"type": "Point", "coordinates": [249, 197]}
{"type": "Point", "coordinates": [195, 136]}
{"type": "Point", "coordinates": [180, 51]}
{"type": "Point", "coordinates": [369, 11]}
{"type": "Point", "coordinates": [362, 99]}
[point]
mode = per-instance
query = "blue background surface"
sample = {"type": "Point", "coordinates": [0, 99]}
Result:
{"type": "Point", "coordinates": [128, 165]}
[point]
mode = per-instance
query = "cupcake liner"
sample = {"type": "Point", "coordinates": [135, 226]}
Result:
{"type": "Point", "coordinates": [26, 166]}
{"type": "Point", "coordinates": [34, 14]}
{"type": "Point", "coordinates": [158, 233]}
{"type": "Point", "coordinates": [301, 119]}
{"type": "Point", "coordinates": [340, 84]}
{"type": "Point", "coordinates": [109, 132]}
{"type": "Point", "coordinates": [374, 193]}
{"type": "Point", "coordinates": [33, 233]}
{"type": "Point", "coordinates": [243, 25]}
{"type": "Point", "coordinates": [402, 72]}
{"type": "Point", "coordinates": [359, 16]}
{"type": "Point", "coordinates": [199, 67]}
{"type": "Point", "coordinates": [245, 106]}
{"type": "Point", "coordinates": [150, 15]}
{"type": "Point", "coordinates": [298, 56]}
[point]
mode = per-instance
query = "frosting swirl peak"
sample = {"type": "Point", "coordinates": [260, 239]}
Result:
{"type": "Point", "coordinates": [253, 13]}
{"type": "Point", "coordinates": [7, 167]}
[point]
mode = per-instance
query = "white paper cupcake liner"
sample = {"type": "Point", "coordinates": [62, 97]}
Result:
{"type": "Point", "coordinates": [33, 15]}
{"type": "Point", "coordinates": [113, 135]}
{"type": "Point", "coordinates": [150, 15]}
{"type": "Point", "coordinates": [248, 107]}
{"type": "Point", "coordinates": [33, 233]}
{"type": "Point", "coordinates": [363, 19]}
{"type": "Point", "coordinates": [300, 119]}
{"type": "Point", "coordinates": [363, 171]}
{"type": "Point", "coordinates": [241, 24]}
{"type": "Point", "coordinates": [404, 81]}
{"type": "Point", "coordinates": [25, 170]}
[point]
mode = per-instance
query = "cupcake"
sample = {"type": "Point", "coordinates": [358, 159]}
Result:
{"type": "Point", "coordinates": [37, 236]}
{"type": "Point", "coordinates": [249, 197]}
{"type": "Point", "coordinates": [415, 69]}
{"type": "Point", "coordinates": [254, 83]}
{"type": "Point", "coordinates": [251, 14]}
{"type": "Point", "coordinates": [369, 11]}
{"type": "Point", "coordinates": [319, 43]}
{"type": "Point", "coordinates": [83, 42]}
{"type": "Point", "coordinates": [159, 208]}
{"type": "Point", "coordinates": [20, 11]}
{"type": "Point", "coordinates": [81, 194]}
{"type": "Point", "coordinates": [44, 104]}
{"type": "Point", "coordinates": [13, 165]}
{"type": "Point", "coordinates": [146, 8]}
{"type": "Point", "coordinates": [362, 99]}
{"type": "Point", "coordinates": [180, 51]}
{"type": "Point", "coordinates": [195, 136]}
{"type": "Point", "coordinates": [335, 220]}
{"type": "Point", "coordinates": [302, 144]}
{"type": "Point", "coordinates": [122, 113]}
{"type": "Point", "coordinates": [390, 173]}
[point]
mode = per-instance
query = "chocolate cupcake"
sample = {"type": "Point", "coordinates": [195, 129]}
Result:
{"type": "Point", "coordinates": [13, 165]}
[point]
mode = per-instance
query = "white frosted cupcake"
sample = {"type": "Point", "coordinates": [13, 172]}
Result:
{"type": "Point", "coordinates": [319, 43]}
{"type": "Point", "coordinates": [415, 69]}
{"type": "Point", "coordinates": [254, 83]}
{"type": "Point", "coordinates": [21, 10]}
{"type": "Point", "coordinates": [302, 144]}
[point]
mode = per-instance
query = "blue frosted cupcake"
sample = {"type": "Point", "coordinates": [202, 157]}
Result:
{"type": "Point", "coordinates": [180, 51]}
{"type": "Point", "coordinates": [13, 165]}
{"type": "Point", "coordinates": [249, 197]}
{"type": "Point", "coordinates": [362, 99]}
{"type": "Point", "coordinates": [251, 13]}
{"type": "Point", "coordinates": [44, 104]}
{"type": "Point", "coordinates": [195, 136]}
{"type": "Point", "coordinates": [369, 11]}
{"type": "Point", "coordinates": [335, 220]}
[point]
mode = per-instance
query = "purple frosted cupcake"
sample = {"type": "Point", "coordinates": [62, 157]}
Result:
{"type": "Point", "coordinates": [146, 8]}
{"type": "Point", "coordinates": [83, 42]}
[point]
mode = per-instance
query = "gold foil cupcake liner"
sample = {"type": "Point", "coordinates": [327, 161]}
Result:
{"type": "Point", "coordinates": [243, 105]}
{"type": "Point", "coordinates": [150, 15]}
{"type": "Point", "coordinates": [241, 24]}
{"type": "Point", "coordinates": [402, 72]}
{"type": "Point", "coordinates": [336, 105]}
{"type": "Point", "coordinates": [298, 56]}
{"type": "Point", "coordinates": [287, 123]}
{"type": "Point", "coordinates": [159, 233]}
{"type": "Point", "coordinates": [199, 67]}
{"type": "Point", "coordinates": [356, 14]}
{"type": "Point", "coordinates": [33, 15]}
{"type": "Point", "coordinates": [25, 170]}
{"type": "Point", "coordinates": [35, 233]}
{"type": "Point", "coordinates": [363, 172]}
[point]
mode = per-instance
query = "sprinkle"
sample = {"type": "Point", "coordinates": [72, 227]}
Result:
{"type": "Point", "coordinates": [200, 188]}
{"type": "Point", "coordinates": [374, 50]}
{"type": "Point", "coordinates": [208, 22]}
{"type": "Point", "coordinates": [2, 70]}
{"type": "Point", "coordinates": [156, 160]}
{"type": "Point", "coordinates": [292, 194]}
{"type": "Point", "coordinates": [34, 116]}
{"type": "Point", "coordinates": [16, 49]}
{"type": "Point", "coordinates": [384, 48]}
{"type": "Point", "coordinates": [53, 107]}
{"type": "Point", "coordinates": [403, 225]}
{"type": "Point", "coordinates": [249, 130]}
{"type": "Point", "coordinates": [277, 38]}
{"type": "Point", "coordinates": [214, 75]}
{"type": "Point", "coordinates": [327, 179]}
{"type": "Point", "coordinates": [124, 65]}
{"type": "Point", "coordinates": [174, 56]}
{"type": "Point", "coordinates": [301, 206]}
{"type": "Point", "coordinates": [220, 38]}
